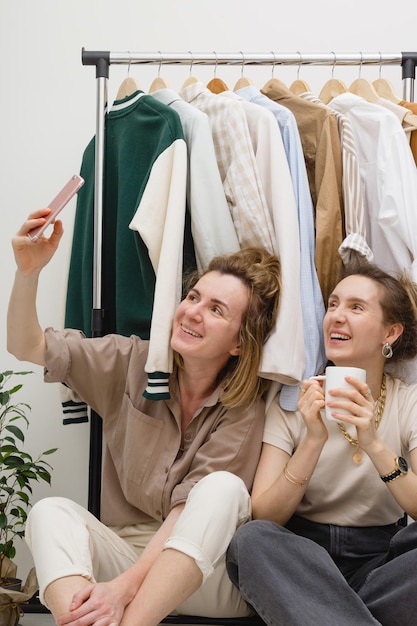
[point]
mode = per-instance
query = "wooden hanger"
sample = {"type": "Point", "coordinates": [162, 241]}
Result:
{"type": "Point", "coordinates": [299, 86]}
{"type": "Point", "coordinates": [190, 81]}
{"type": "Point", "coordinates": [158, 83]}
{"type": "Point", "coordinates": [385, 89]}
{"type": "Point", "coordinates": [127, 88]}
{"type": "Point", "coordinates": [364, 88]}
{"type": "Point", "coordinates": [332, 88]}
{"type": "Point", "coordinates": [275, 83]}
{"type": "Point", "coordinates": [217, 85]}
{"type": "Point", "coordinates": [243, 81]}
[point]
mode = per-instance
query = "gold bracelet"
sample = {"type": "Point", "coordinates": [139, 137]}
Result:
{"type": "Point", "coordinates": [293, 479]}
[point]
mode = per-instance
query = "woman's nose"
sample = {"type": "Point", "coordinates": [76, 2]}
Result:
{"type": "Point", "coordinates": [195, 311]}
{"type": "Point", "coordinates": [338, 312]}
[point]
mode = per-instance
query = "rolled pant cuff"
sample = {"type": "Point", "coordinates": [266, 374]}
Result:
{"type": "Point", "coordinates": [192, 550]}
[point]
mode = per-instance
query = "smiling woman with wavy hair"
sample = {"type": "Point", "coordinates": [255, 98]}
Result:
{"type": "Point", "coordinates": [177, 471]}
{"type": "Point", "coordinates": [261, 273]}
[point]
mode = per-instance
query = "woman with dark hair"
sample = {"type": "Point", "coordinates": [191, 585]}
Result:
{"type": "Point", "coordinates": [177, 472]}
{"type": "Point", "coordinates": [328, 544]}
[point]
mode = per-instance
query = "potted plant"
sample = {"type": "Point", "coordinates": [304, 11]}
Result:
{"type": "Point", "coordinates": [18, 471]}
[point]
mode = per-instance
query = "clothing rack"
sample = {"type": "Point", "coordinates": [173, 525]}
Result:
{"type": "Point", "coordinates": [102, 61]}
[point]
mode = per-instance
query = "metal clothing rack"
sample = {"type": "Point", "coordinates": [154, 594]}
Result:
{"type": "Point", "coordinates": [102, 61]}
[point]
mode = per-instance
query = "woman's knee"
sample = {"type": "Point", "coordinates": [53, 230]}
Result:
{"type": "Point", "coordinates": [52, 512]}
{"type": "Point", "coordinates": [223, 489]}
{"type": "Point", "coordinates": [221, 481]}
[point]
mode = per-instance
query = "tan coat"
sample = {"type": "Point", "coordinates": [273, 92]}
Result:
{"type": "Point", "coordinates": [322, 152]}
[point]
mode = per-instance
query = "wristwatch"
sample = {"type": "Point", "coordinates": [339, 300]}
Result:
{"type": "Point", "coordinates": [401, 468]}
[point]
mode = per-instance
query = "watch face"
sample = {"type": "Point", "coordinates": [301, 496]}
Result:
{"type": "Point", "coordinates": [402, 464]}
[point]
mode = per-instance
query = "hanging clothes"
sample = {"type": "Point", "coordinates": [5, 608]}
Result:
{"type": "Point", "coordinates": [312, 304]}
{"type": "Point", "coordinates": [145, 181]}
{"type": "Point", "coordinates": [236, 163]}
{"type": "Point", "coordinates": [354, 211]}
{"type": "Point", "coordinates": [284, 352]}
{"type": "Point", "coordinates": [389, 179]}
{"type": "Point", "coordinates": [283, 356]}
{"type": "Point", "coordinates": [411, 106]}
{"type": "Point", "coordinates": [212, 227]}
{"type": "Point", "coordinates": [322, 152]}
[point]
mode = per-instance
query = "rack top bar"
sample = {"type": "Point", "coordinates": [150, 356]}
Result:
{"type": "Point", "coordinates": [243, 58]}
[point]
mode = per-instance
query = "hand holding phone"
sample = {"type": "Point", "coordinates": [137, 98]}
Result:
{"type": "Point", "coordinates": [64, 196]}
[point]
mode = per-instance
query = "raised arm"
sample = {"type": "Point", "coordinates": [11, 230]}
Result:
{"type": "Point", "coordinates": [25, 337]}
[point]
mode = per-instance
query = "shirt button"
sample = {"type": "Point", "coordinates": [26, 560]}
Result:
{"type": "Point", "coordinates": [158, 513]}
{"type": "Point", "coordinates": [187, 436]}
{"type": "Point", "coordinates": [166, 470]}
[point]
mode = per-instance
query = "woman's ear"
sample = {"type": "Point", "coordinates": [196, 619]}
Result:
{"type": "Point", "coordinates": [235, 351]}
{"type": "Point", "coordinates": [395, 331]}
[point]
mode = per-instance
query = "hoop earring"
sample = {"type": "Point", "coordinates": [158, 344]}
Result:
{"type": "Point", "coordinates": [387, 350]}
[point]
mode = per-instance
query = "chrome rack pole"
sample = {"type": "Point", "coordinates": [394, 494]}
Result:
{"type": "Point", "coordinates": [101, 61]}
{"type": "Point", "coordinates": [268, 58]}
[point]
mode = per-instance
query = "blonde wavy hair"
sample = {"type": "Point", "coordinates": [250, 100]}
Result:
{"type": "Point", "coordinates": [260, 271]}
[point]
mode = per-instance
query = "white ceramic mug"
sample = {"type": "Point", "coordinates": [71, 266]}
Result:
{"type": "Point", "coordinates": [335, 379]}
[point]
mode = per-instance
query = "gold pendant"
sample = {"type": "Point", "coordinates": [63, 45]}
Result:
{"type": "Point", "coordinates": [357, 458]}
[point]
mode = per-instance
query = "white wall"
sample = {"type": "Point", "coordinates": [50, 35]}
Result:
{"type": "Point", "coordinates": [47, 117]}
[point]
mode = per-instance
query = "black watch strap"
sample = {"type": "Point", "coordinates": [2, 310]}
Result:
{"type": "Point", "coordinates": [401, 468]}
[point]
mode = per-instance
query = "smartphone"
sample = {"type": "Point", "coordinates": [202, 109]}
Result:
{"type": "Point", "coordinates": [67, 192]}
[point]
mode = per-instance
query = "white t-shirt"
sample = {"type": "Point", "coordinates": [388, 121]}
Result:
{"type": "Point", "coordinates": [341, 492]}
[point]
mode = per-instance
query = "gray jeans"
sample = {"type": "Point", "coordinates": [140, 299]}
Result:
{"type": "Point", "coordinates": [322, 575]}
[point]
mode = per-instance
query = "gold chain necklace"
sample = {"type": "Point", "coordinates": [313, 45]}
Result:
{"type": "Point", "coordinates": [379, 409]}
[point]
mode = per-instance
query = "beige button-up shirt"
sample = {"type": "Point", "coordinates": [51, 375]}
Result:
{"type": "Point", "coordinates": [148, 469]}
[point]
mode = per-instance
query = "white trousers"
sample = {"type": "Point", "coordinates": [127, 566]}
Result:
{"type": "Point", "coordinates": [66, 540]}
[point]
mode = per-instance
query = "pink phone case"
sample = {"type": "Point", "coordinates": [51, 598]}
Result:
{"type": "Point", "coordinates": [64, 196]}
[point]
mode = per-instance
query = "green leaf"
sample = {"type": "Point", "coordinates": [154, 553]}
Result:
{"type": "Point", "coordinates": [7, 449]}
{"type": "Point", "coordinates": [18, 470]}
{"type": "Point", "coordinates": [13, 461]}
{"type": "Point", "coordinates": [16, 432]}
{"type": "Point", "coordinates": [15, 388]}
{"type": "Point", "coordinates": [11, 552]}
{"type": "Point", "coordinates": [4, 397]}
{"type": "Point", "coordinates": [45, 476]}
{"type": "Point", "coordinates": [23, 496]}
